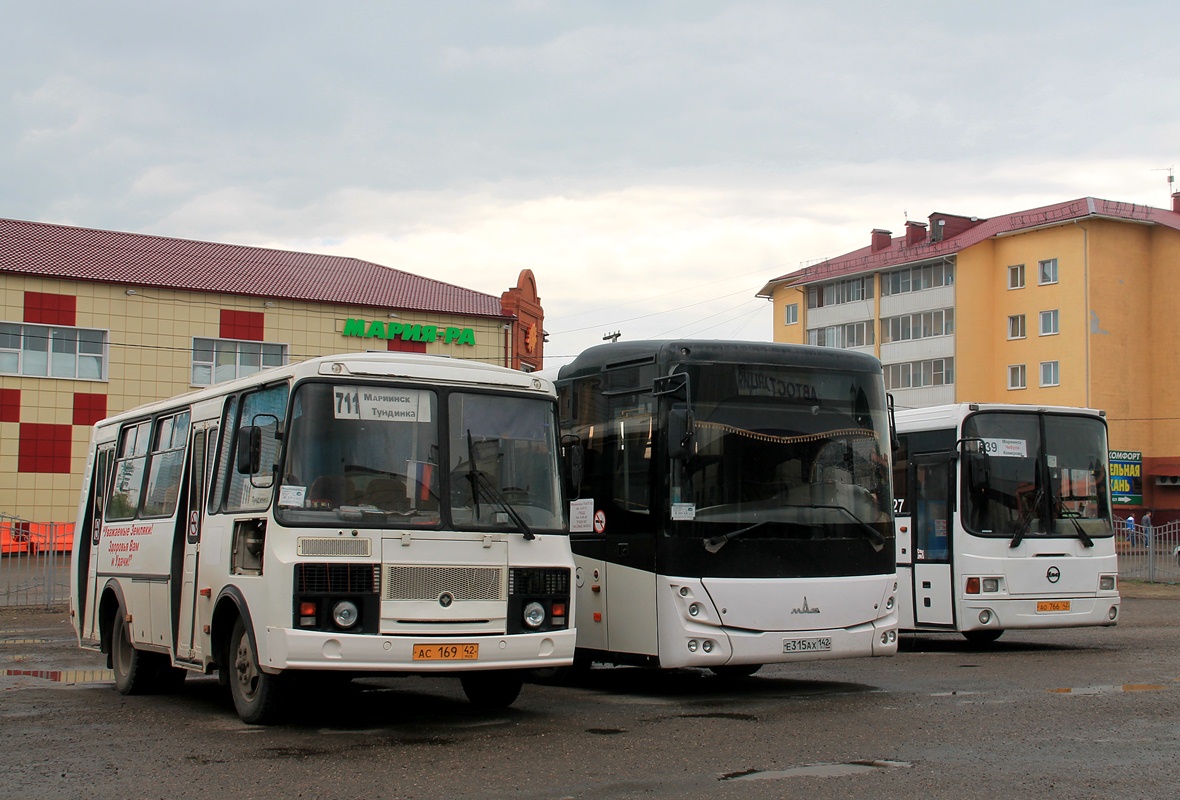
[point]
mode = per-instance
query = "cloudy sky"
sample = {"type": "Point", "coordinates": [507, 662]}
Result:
{"type": "Point", "coordinates": [653, 163]}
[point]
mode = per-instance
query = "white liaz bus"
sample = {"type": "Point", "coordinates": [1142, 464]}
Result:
{"type": "Point", "coordinates": [357, 514]}
{"type": "Point", "coordinates": [732, 504]}
{"type": "Point", "coordinates": [1003, 519]}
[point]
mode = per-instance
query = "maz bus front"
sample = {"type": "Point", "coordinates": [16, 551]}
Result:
{"type": "Point", "coordinates": [353, 514]}
{"type": "Point", "coordinates": [733, 507]}
{"type": "Point", "coordinates": [1003, 519]}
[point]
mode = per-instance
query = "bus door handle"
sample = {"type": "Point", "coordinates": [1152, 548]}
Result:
{"type": "Point", "coordinates": [623, 548]}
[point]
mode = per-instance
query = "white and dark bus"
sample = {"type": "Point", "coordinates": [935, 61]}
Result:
{"type": "Point", "coordinates": [354, 514]}
{"type": "Point", "coordinates": [1003, 519]}
{"type": "Point", "coordinates": [733, 504]}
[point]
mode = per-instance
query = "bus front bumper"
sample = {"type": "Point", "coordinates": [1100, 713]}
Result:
{"type": "Point", "coordinates": [1027, 614]}
{"type": "Point", "coordinates": [286, 648]}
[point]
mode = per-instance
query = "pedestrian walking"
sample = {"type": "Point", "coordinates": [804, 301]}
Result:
{"type": "Point", "coordinates": [1130, 523]}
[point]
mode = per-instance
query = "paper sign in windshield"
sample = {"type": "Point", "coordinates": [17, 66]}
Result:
{"type": "Point", "coordinates": [389, 405]}
{"type": "Point", "coordinates": [1006, 448]}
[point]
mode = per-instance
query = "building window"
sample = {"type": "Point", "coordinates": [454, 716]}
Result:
{"type": "Point", "coordinates": [1016, 377]}
{"type": "Point", "coordinates": [1016, 276]}
{"type": "Point", "coordinates": [916, 279]}
{"type": "Point", "coordinates": [1050, 373]}
{"type": "Point", "coordinates": [854, 334]}
{"type": "Point", "coordinates": [220, 360]}
{"type": "Point", "coordinates": [1016, 326]}
{"type": "Point", "coordinates": [1049, 323]}
{"type": "Point", "coordinates": [1048, 271]}
{"type": "Point", "coordinates": [916, 374]}
{"type": "Point", "coordinates": [45, 351]}
{"type": "Point", "coordinates": [839, 292]}
{"type": "Point", "coordinates": [791, 314]}
{"type": "Point", "coordinates": [919, 325]}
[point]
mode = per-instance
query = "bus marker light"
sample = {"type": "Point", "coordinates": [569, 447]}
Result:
{"type": "Point", "coordinates": [598, 616]}
{"type": "Point", "coordinates": [558, 609]}
{"type": "Point", "coordinates": [973, 586]}
{"type": "Point", "coordinates": [206, 592]}
{"type": "Point", "coordinates": [307, 609]}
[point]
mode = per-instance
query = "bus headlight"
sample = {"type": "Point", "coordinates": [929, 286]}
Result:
{"type": "Point", "coordinates": [534, 615]}
{"type": "Point", "coordinates": [345, 614]}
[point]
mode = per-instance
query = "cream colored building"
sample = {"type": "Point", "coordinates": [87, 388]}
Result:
{"type": "Point", "coordinates": [95, 322]}
{"type": "Point", "coordinates": [1070, 304]}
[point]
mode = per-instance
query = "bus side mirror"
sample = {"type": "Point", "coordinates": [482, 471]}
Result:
{"type": "Point", "coordinates": [679, 433]}
{"type": "Point", "coordinates": [249, 449]}
{"type": "Point", "coordinates": [574, 467]}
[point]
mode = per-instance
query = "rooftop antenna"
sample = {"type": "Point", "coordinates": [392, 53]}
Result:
{"type": "Point", "coordinates": [612, 337]}
{"type": "Point", "coordinates": [1171, 177]}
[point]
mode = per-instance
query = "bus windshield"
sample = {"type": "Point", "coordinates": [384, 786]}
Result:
{"type": "Point", "coordinates": [1036, 475]}
{"type": "Point", "coordinates": [785, 451]}
{"type": "Point", "coordinates": [370, 455]}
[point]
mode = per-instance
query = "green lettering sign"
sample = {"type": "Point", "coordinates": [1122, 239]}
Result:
{"type": "Point", "coordinates": [407, 332]}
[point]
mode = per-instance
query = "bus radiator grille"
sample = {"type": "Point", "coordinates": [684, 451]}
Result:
{"type": "Point", "coordinates": [337, 578]}
{"type": "Point", "coordinates": [430, 583]}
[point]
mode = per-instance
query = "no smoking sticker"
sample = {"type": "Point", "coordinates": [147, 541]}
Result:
{"type": "Point", "coordinates": [599, 522]}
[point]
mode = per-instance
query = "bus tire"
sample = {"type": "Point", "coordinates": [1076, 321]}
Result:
{"type": "Point", "coordinates": [986, 636]}
{"type": "Point", "coordinates": [492, 689]}
{"type": "Point", "coordinates": [258, 696]}
{"type": "Point", "coordinates": [135, 671]}
{"type": "Point", "coordinates": [735, 671]}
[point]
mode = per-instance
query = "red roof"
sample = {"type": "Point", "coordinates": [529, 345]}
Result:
{"type": "Point", "coordinates": [84, 254]}
{"type": "Point", "coordinates": [963, 232]}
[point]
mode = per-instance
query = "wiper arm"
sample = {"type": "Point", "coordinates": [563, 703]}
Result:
{"type": "Point", "coordinates": [878, 541]}
{"type": "Point", "coordinates": [481, 484]}
{"type": "Point", "coordinates": [1026, 519]}
{"type": "Point", "coordinates": [1077, 526]}
{"type": "Point", "coordinates": [715, 543]}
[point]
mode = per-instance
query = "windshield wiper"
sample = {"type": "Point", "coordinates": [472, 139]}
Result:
{"type": "Point", "coordinates": [480, 484]}
{"type": "Point", "coordinates": [1077, 526]}
{"type": "Point", "coordinates": [875, 537]}
{"type": "Point", "coordinates": [1026, 519]}
{"type": "Point", "coordinates": [715, 543]}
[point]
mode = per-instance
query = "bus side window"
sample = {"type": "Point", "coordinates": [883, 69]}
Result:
{"type": "Point", "coordinates": [266, 409]}
{"type": "Point", "coordinates": [130, 467]}
{"type": "Point", "coordinates": [167, 465]}
{"type": "Point", "coordinates": [901, 470]}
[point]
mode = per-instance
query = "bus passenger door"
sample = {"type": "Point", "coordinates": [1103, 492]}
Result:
{"type": "Point", "coordinates": [88, 555]}
{"type": "Point", "coordinates": [200, 456]}
{"type": "Point", "coordinates": [932, 496]}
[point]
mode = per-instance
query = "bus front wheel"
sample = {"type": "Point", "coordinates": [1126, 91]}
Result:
{"type": "Point", "coordinates": [492, 689]}
{"type": "Point", "coordinates": [982, 637]}
{"type": "Point", "coordinates": [257, 696]}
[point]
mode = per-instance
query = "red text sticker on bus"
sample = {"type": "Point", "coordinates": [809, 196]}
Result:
{"type": "Point", "coordinates": [599, 522]}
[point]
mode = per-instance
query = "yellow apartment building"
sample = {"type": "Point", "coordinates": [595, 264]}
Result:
{"type": "Point", "coordinates": [1070, 304]}
{"type": "Point", "coordinates": [95, 322]}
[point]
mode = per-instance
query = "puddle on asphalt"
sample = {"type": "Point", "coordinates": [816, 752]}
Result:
{"type": "Point", "coordinates": [69, 677]}
{"type": "Point", "coordinates": [818, 770]}
{"type": "Point", "coordinates": [1126, 687]}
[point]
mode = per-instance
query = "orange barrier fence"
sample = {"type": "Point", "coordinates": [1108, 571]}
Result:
{"type": "Point", "coordinates": [18, 537]}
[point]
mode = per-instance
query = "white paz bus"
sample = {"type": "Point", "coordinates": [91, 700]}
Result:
{"type": "Point", "coordinates": [353, 514]}
{"type": "Point", "coordinates": [1003, 519]}
{"type": "Point", "coordinates": [732, 506]}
